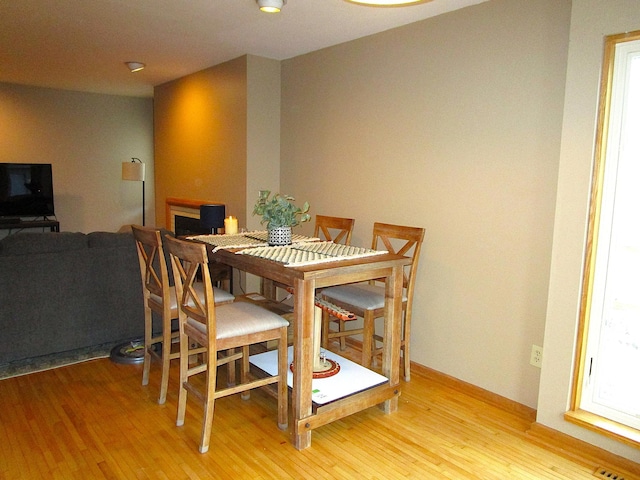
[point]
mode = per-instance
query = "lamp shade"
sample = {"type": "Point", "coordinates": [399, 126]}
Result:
{"type": "Point", "coordinates": [133, 171]}
{"type": "Point", "coordinates": [212, 216]}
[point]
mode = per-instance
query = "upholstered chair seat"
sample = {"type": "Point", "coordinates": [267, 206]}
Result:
{"type": "Point", "coordinates": [363, 296]}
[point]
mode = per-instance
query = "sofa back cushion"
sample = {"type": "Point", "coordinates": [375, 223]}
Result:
{"type": "Point", "coordinates": [46, 242]}
{"type": "Point", "coordinates": [110, 240]}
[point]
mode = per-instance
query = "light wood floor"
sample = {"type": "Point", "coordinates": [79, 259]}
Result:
{"type": "Point", "coordinates": [95, 420]}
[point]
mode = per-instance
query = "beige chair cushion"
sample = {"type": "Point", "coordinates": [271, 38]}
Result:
{"type": "Point", "coordinates": [219, 295]}
{"type": "Point", "coordinates": [242, 318]}
{"type": "Point", "coordinates": [362, 295]}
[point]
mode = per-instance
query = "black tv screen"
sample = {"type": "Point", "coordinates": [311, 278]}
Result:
{"type": "Point", "coordinates": [26, 190]}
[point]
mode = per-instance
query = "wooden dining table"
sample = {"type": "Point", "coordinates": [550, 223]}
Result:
{"type": "Point", "coordinates": [305, 280]}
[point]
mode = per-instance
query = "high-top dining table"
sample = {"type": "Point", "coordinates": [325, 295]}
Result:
{"type": "Point", "coordinates": [305, 279]}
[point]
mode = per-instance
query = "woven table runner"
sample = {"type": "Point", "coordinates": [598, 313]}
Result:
{"type": "Point", "coordinates": [244, 240]}
{"type": "Point", "coordinates": [309, 253]}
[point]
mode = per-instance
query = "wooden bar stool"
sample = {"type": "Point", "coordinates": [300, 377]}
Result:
{"type": "Point", "coordinates": [367, 300]}
{"type": "Point", "coordinates": [220, 329]}
{"type": "Point", "coordinates": [160, 297]}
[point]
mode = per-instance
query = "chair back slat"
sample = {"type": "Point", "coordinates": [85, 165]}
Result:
{"type": "Point", "coordinates": [400, 240]}
{"type": "Point", "coordinates": [188, 260]}
{"type": "Point", "coordinates": [153, 267]}
{"type": "Point", "coordinates": [334, 229]}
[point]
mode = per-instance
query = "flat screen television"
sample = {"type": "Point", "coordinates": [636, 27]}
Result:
{"type": "Point", "coordinates": [26, 190]}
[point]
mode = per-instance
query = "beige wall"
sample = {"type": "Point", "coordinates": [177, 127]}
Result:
{"type": "Point", "coordinates": [591, 21]}
{"type": "Point", "coordinates": [263, 131]}
{"type": "Point", "coordinates": [86, 137]}
{"type": "Point", "coordinates": [451, 124]}
{"type": "Point", "coordinates": [200, 126]}
{"type": "Point", "coordinates": [263, 141]}
{"type": "Point", "coordinates": [217, 138]}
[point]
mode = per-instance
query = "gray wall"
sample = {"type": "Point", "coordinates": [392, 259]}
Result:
{"type": "Point", "coordinates": [86, 137]}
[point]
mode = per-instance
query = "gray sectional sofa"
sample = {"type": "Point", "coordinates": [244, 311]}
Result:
{"type": "Point", "coordinates": [61, 292]}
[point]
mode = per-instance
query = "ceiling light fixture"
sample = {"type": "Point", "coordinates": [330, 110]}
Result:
{"type": "Point", "coordinates": [271, 6]}
{"type": "Point", "coordinates": [134, 66]}
{"type": "Point", "coordinates": [385, 3]}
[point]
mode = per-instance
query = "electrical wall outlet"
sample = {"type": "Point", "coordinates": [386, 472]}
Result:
{"type": "Point", "coordinates": [536, 356]}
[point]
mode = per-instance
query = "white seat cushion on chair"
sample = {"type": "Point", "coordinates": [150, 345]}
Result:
{"type": "Point", "coordinates": [362, 295]}
{"type": "Point", "coordinates": [242, 318]}
{"type": "Point", "coordinates": [219, 295]}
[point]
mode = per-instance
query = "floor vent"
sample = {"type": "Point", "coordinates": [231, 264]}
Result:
{"type": "Point", "coordinates": [607, 474]}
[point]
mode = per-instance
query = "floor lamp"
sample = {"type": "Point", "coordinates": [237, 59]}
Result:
{"type": "Point", "coordinates": [134, 171]}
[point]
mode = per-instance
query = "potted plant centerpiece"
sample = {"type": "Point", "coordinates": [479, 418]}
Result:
{"type": "Point", "coordinates": [280, 214]}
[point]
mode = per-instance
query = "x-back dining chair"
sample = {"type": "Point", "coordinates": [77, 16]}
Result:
{"type": "Point", "coordinates": [220, 329]}
{"type": "Point", "coordinates": [367, 300]}
{"type": "Point", "coordinates": [334, 229]}
{"type": "Point", "coordinates": [160, 297]}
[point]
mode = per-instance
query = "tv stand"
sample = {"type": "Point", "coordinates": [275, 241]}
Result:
{"type": "Point", "coordinates": [19, 224]}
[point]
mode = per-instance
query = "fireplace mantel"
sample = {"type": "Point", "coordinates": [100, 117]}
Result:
{"type": "Point", "coordinates": [184, 207]}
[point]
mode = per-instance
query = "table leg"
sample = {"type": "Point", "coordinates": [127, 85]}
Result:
{"type": "Point", "coordinates": [268, 288]}
{"type": "Point", "coordinates": [392, 333]}
{"type": "Point", "coordinates": [318, 365]}
{"type": "Point", "coordinates": [302, 361]}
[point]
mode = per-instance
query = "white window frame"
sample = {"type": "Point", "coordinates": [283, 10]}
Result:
{"type": "Point", "coordinates": [587, 407]}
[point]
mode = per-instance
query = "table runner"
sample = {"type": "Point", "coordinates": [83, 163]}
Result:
{"type": "Point", "coordinates": [244, 240]}
{"type": "Point", "coordinates": [308, 253]}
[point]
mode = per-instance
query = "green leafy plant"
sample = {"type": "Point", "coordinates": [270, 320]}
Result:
{"type": "Point", "coordinates": [280, 211]}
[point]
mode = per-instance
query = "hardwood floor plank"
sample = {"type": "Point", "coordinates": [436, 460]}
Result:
{"type": "Point", "coordinates": [95, 420]}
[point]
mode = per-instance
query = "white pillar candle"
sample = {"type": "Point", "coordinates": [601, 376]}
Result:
{"type": "Point", "coordinates": [230, 225]}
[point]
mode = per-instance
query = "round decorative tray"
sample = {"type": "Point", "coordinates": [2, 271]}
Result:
{"type": "Point", "coordinates": [332, 367]}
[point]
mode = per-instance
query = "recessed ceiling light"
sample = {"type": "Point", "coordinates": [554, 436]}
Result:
{"type": "Point", "coordinates": [134, 66]}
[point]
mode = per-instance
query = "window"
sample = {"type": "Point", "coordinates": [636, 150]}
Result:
{"type": "Point", "coordinates": [607, 383]}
